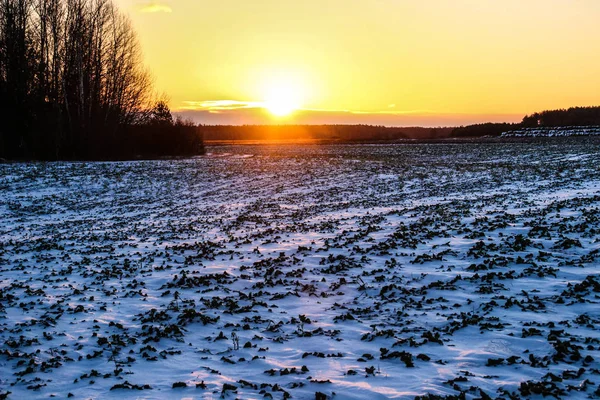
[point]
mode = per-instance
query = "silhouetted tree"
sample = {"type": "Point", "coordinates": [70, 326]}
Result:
{"type": "Point", "coordinates": [485, 129]}
{"type": "Point", "coordinates": [71, 80]}
{"type": "Point", "coordinates": [574, 116]}
{"type": "Point", "coordinates": [344, 133]}
{"type": "Point", "coordinates": [161, 114]}
{"type": "Point", "coordinates": [16, 75]}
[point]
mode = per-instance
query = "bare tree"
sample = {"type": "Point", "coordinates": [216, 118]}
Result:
{"type": "Point", "coordinates": [72, 80]}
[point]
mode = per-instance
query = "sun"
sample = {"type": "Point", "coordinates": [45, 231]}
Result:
{"type": "Point", "coordinates": [282, 98]}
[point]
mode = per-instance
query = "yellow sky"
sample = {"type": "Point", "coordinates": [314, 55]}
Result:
{"type": "Point", "coordinates": [395, 62]}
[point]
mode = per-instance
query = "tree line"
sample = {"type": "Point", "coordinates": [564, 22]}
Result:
{"type": "Point", "coordinates": [484, 129]}
{"type": "Point", "coordinates": [73, 86]}
{"type": "Point", "coordinates": [574, 116]}
{"type": "Point", "coordinates": [333, 133]}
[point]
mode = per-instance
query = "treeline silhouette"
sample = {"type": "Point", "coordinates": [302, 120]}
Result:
{"type": "Point", "coordinates": [574, 116]}
{"type": "Point", "coordinates": [73, 86]}
{"type": "Point", "coordinates": [485, 129]}
{"type": "Point", "coordinates": [336, 133]}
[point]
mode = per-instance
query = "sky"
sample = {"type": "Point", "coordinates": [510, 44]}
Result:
{"type": "Point", "coordinates": [384, 62]}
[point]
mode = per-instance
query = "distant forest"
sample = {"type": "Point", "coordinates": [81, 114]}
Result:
{"type": "Point", "coordinates": [485, 129]}
{"type": "Point", "coordinates": [334, 133]}
{"type": "Point", "coordinates": [574, 116]}
{"type": "Point", "coordinates": [73, 86]}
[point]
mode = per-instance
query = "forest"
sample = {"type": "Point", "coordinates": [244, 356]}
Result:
{"type": "Point", "coordinates": [73, 86]}
{"type": "Point", "coordinates": [485, 129]}
{"type": "Point", "coordinates": [574, 116]}
{"type": "Point", "coordinates": [329, 133]}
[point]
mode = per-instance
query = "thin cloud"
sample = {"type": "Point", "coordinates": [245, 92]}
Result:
{"type": "Point", "coordinates": [234, 112]}
{"type": "Point", "coordinates": [155, 7]}
{"type": "Point", "coordinates": [220, 105]}
{"type": "Point", "coordinates": [228, 105]}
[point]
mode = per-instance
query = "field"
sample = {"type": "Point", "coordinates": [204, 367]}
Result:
{"type": "Point", "coordinates": [342, 272]}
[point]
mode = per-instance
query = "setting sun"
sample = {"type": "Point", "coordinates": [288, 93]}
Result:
{"type": "Point", "coordinates": [441, 63]}
{"type": "Point", "coordinates": [282, 97]}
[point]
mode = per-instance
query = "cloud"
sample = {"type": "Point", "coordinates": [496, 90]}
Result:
{"type": "Point", "coordinates": [154, 7]}
{"type": "Point", "coordinates": [234, 112]}
{"type": "Point", "coordinates": [220, 105]}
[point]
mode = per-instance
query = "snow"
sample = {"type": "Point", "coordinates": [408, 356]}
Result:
{"type": "Point", "coordinates": [559, 131]}
{"type": "Point", "coordinates": [384, 271]}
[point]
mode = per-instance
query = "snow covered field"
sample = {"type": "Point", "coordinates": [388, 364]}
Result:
{"type": "Point", "coordinates": [554, 131]}
{"type": "Point", "coordinates": [355, 272]}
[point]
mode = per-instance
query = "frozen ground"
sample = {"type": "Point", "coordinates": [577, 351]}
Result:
{"type": "Point", "coordinates": [357, 272]}
{"type": "Point", "coordinates": [554, 131]}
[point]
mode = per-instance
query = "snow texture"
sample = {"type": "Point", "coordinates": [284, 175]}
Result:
{"type": "Point", "coordinates": [560, 131]}
{"type": "Point", "coordinates": [342, 272]}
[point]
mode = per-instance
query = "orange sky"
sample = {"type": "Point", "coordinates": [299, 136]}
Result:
{"type": "Point", "coordinates": [389, 62]}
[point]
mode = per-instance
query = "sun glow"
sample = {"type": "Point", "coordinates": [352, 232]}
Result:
{"type": "Point", "coordinates": [282, 97]}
